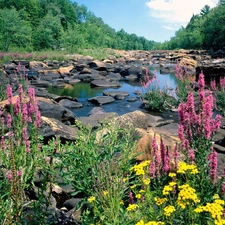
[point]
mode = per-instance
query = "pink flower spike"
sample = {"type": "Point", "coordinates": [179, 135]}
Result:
{"type": "Point", "coordinates": [9, 93]}
{"type": "Point", "coordinates": [191, 155]}
{"type": "Point", "coordinates": [9, 176]}
{"type": "Point", "coordinates": [19, 173]}
{"type": "Point", "coordinates": [201, 81]}
{"type": "Point", "coordinates": [131, 198]}
{"type": "Point", "coordinates": [213, 85]}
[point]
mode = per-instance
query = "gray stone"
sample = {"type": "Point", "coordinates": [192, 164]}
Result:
{"type": "Point", "coordinates": [114, 93]}
{"type": "Point", "coordinates": [101, 100]}
{"type": "Point", "coordinates": [70, 104]}
{"type": "Point", "coordinates": [96, 110]}
{"type": "Point", "coordinates": [105, 83]}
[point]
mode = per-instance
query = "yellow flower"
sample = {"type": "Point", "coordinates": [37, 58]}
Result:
{"type": "Point", "coordinates": [121, 202]}
{"type": "Point", "coordinates": [145, 163]}
{"type": "Point", "coordinates": [168, 188]}
{"type": "Point", "coordinates": [133, 186]}
{"type": "Point", "coordinates": [141, 222]}
{"type": "Point", "coordinates": [199, 209]}
{"type": "Point", "coordinates": [132, 207]}
{"type": "Point", "coordinates": [138, 196]}
{"type": "Point", "coordinates": [183, 167]}
{"type": "Point", "coordinates": [219, 201]}
{"type": "Point", "coordinates": [172, 175]}
{"type": "Point", "coordinates": [186, 195]}
{"type": "Point", "coordinates": [146, 181]}
{"type": "Point", "coordinates": [154, 223]}
{"type": "Point", "coordinates": [216, 196]}
{"type": "Point", "coordinates": [91, 199]}
{"type": "Point", "coordinates": [142, 191]}
{"type": "Point", "coordinates": [125, 179]}
{"type": "Point", "coordinates": [160, 201]}
{"type": "Point", "coordinates": [215, 209]}
{"type": "Point", "coordinates": [168, 210]}
{"type": "Point", "coordinates": [105, 193]}
{"type": "Point", "coordinates": [139, 169]}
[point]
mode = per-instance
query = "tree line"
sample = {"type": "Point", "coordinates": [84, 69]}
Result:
{"type": "Point", "coordinates": [59, 24]}
{"type": "Point", "coordinates": [34, 25]}
{"type": "Point", "coordinates": [205, 30]}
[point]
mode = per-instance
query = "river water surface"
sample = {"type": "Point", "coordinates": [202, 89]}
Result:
{"type": "Point", "coordinates": [83, 91]}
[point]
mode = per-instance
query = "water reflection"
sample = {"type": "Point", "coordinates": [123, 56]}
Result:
{"type": "Point", "coordinates": [83, 91]}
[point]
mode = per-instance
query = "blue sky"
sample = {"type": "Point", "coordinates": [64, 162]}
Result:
{"type": "Point", "coordinates": [153, 19]}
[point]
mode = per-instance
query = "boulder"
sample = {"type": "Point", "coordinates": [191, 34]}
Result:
{"type": "Point", "coordinates": [4, 105]}
{"type": "Point", "coordinates": [113, 76]}
{"type": "Point", "coordinates": [47, 71]}
{"type": "Point", "coordinates": [96, 119]}
{"type": "Point", "coordinates": [70, 104]}
{"type": "Point", "coordinates": [65, 70]}
{"type": "Point", "coordinates": [98, 65]}
{"type": "Point", "coordinates": [52, 109]}
{"type": "Point", "coordinates": [86, 77]}
{"type": "Point", "coordinates": [157, 121]}
{"type": "Point", "coordinates": [144, 144]}
{"type": "Point", "coordinates": [37, 65]}
{"type": "Point", "coordinates": [51, 127]}
{"type": "Point", "coordinates": [212, 69]}
{"type": "Point", "coordinates": [85, 71]}
{"type": "Point", "coordinates": [105, 83]}
{"type": "Point", "coordinates": [188, 62]}
{"type": "Point", "coordinates": [132, 99]}
{"type": "Point", "coordinates": [136, 119]}
{"type": "Point", "coordinates": [114, 93]}
{"type": "Point", "coordinates": [96, 110]}
{"type": "Point", "coordinates": [101, 100]}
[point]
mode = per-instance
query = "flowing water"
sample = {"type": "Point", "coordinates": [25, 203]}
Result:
{"type": "Point", "coordinates": [83, 91]}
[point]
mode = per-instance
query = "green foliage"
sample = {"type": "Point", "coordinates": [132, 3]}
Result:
{"type": "Point", "coordinates": [156, 98]}
{"type": "Point", "coordinates": [14, 30]}
{"type": "Point", "coordinates": [82, 161]}
{"type": "Point", "coordinates": [204, 31]}
{"type": "Point", "coordinates": [48, 33]}
{"type": "Point", "coordinates": [56, 24]}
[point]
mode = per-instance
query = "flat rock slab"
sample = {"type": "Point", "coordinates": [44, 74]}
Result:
{"type": "Point", "coordinates": [132, 99]}
{"type": "Point", "coordinates": [95, 120]}
{"type": "Point", "coordinates": [52, 127]}
{"type": "Point", "coordinates": [70, 104]}
{"type": "Point", "coordinates": [104, 83]}
{"type": "Point", "coordinates": [101, 100]}
{"type": "Point", "coordinates": [114, 93]}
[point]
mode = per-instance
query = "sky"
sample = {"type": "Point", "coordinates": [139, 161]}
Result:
{"type": "Point", "coordinates": [156, 20]}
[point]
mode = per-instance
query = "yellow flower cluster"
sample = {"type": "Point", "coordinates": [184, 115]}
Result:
{"type": "Point", "coordinates": [132, 207]}
{"type": "Point", "coordinates": [139, 169]}
{"type": "Point", "coordinates": [172, 175]}
{"type": "Point", "coordinates": [141, 222]}
{"type": "Point", "coordinates": [168, 210]}
{"type": "Point", "coordinates": [146, 181]}
{"type": "Point", "coordinates": [105, 193]}
{"type": "Point", "coordinates": [183, 167]}
{"type": "Point", "coordinates": [121, 202]}
{"type": "Point", "coordinates": [168, 188]}
{"type": "Point", "coordinates": [91, 199]}
{"type": "Point", "coordinates": [138, 196]}
{"type": "Point", "coordinates": [215, 209]}
{"type": "Point", "coordinates": [160, 201]}
{"type": "Point", "coordinates": [186, 195]}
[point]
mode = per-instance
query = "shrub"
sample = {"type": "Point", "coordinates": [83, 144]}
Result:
{"type": "Point", "coordinates": [154, 98]}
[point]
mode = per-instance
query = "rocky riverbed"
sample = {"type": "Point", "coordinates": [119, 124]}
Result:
{"type": "Point", "coordinates": [58, 119]}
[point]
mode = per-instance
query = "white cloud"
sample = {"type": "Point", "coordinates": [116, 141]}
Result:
{"type": "Point", "coordinates": [173, 12]}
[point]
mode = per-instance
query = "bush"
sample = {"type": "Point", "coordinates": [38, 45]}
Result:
{"type": "Point", "coordinates": [154, 98]}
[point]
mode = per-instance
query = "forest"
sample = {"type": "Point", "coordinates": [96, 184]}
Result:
{"type": "Point", "coordinates": [35, 25]}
